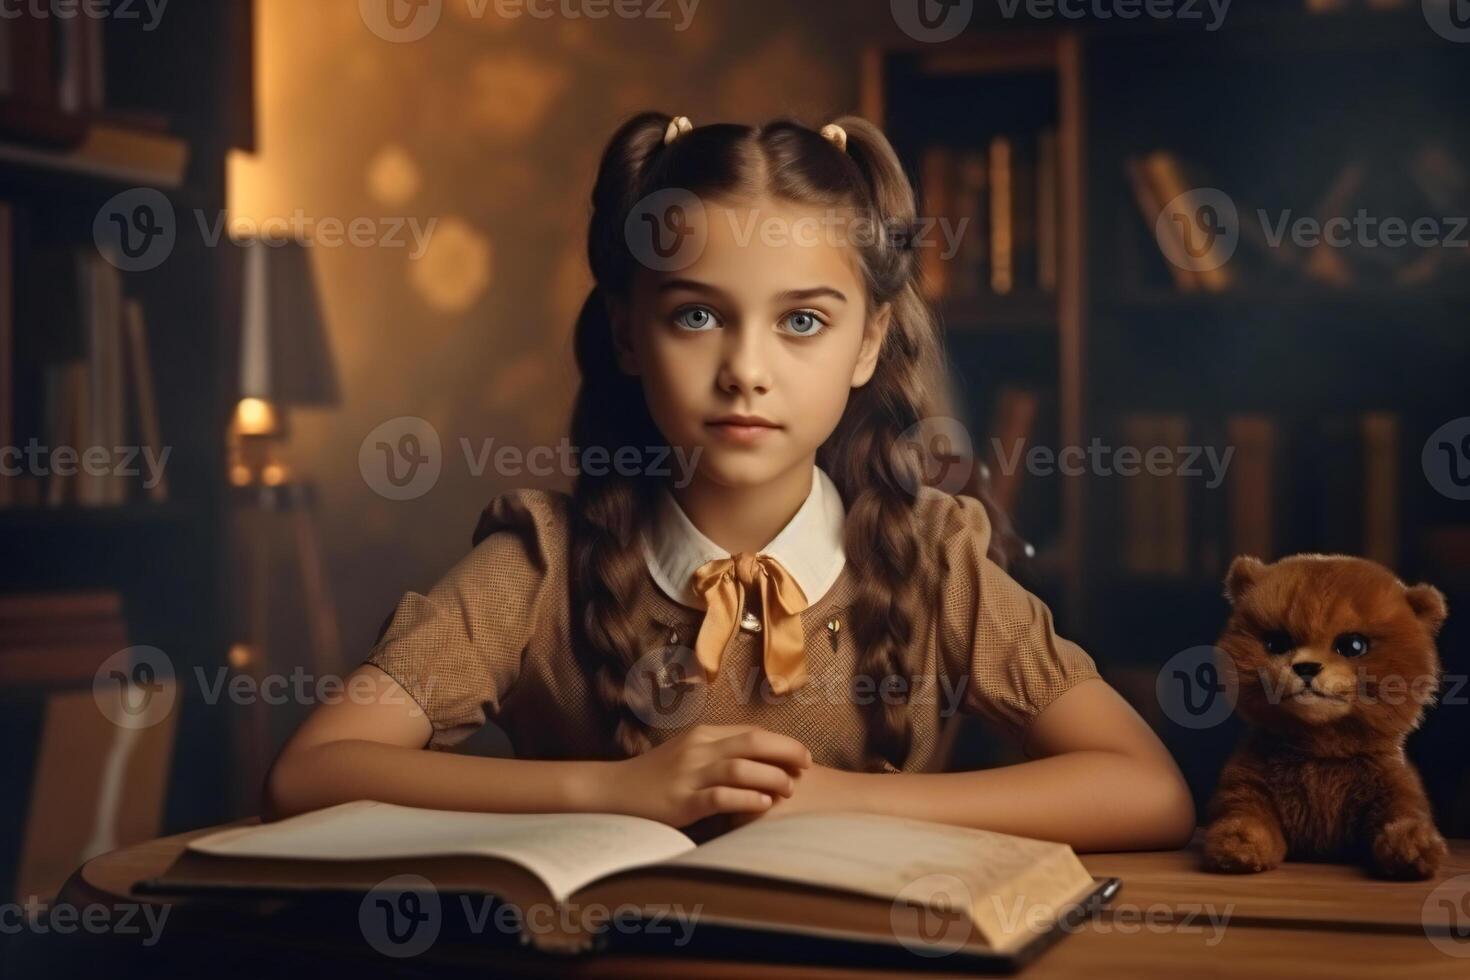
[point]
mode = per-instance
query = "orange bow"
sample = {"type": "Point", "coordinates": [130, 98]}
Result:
{"type": "Point", "coordinates": [722, 582]}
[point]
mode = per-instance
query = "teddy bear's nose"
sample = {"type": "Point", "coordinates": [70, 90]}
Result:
{"type": "Point", "coordinates": [1307, 669]}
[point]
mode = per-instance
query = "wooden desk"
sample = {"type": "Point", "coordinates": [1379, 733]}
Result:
{"type": "Point", "coordinates": [1300, 921]}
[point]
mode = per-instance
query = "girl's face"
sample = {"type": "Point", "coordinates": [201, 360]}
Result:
{"type": "Point", "coordinates": [770, 320]}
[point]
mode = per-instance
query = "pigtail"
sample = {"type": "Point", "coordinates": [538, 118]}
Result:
{"type": "Point", "coordinates": [608, 509]}
{"type": "Point", "coordinates": [894, 567]}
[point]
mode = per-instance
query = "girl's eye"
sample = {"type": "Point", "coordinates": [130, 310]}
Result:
{"type": "Point", "coordinates": [1277, 641]}
{"type": "Point", "coordinates": [804, 323]}
{"type": "Point", "coordinates": [695, 318]}
{"type": "Point", "coordinates": [1351, 645]}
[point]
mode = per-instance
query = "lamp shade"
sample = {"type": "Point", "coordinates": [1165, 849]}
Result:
{"type": "Point", "coordinates": [285, 356]}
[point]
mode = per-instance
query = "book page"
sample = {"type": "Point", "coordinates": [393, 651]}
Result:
{"type": "Point", "coordinates": [565, 850]}
{"type": "Point", "coordinates": [882, 856]}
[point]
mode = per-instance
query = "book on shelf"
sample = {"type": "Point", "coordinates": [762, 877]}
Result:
{"type": "Point", "coordinates": [1251, 485]}
{"type": "Point", "coordinates": [52, 73]}
{"type": "Point", "coordinates": [80, 72]}
{"type": "Point", "coordinates": [1344, 496]}
{"type": "Point", "coordinates": [55, 113]}
{"type": "Point", "coordinates": [141, 375]}
{"type": "Point", "coordinates": [1315, 247]}
{"type": "Point", "coordinates": [860, 883]}
{"type": "Point", "coordinates": [1002, 217]}
{"type": "Point", "coordinates": [113, 151]}
{"type": "Point", "coordinates": [85, 362]}
{"type": "Point", "coordinates": [1048, 210]}
{"type": "Point", "coordinates": [53, 640]}
{"type": "Point", "coordinates": [1160, 180]}
{"type": "Point", "coordinates": [1156, 517]}
{"type": "Point", "coordinates": [936, 181]}
{"type": "Point", "coordinates": [1001, 208]}
{"type": "Point", "coordinates": [1016, 410]}
{"type": "Point", "coordinates": [1380, 478]}
{"type": "Point", "coordinates": [1145, 195]}
{"type": "Point", "coordinates": [1355, 490]}
{"type": "Point", "coordinates": [1329, 266]}
{"type": "Point", "coordinates": [969, 220]}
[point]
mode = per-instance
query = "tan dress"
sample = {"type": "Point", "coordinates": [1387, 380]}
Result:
{"type": "Point", "coordinates": [490, 644]}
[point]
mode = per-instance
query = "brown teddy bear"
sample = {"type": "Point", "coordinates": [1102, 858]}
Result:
{"type": "Point", "coordinates": [1334, 659]}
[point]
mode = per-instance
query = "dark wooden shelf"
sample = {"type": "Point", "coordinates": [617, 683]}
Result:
{"type": "Point", "coordinates": [112, 154]}
{"type": "Point", "coordinates": [1454, 298]}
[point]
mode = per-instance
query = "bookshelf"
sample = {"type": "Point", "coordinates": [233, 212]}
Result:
{"type": "Point", "coordinates": [1018, 320]}
{"type": "Point", "coordinates": [91, 108]}
{"type": "Point", "coordinates": [1325, 376]}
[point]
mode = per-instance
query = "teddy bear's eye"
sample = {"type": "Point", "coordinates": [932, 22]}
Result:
{"type": "Point", "coordinates": [1277, 641]}
{"type": "Point", "coordinates": [1351, 645]}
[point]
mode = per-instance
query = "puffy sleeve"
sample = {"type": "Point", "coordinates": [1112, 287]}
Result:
{"type": "Point", "coordinates": [458, 649]}
{"type": "Point", "coordinates": [995, 637]}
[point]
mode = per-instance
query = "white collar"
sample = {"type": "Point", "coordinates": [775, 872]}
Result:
{"type": "Point", "coordinates": [809, 546]}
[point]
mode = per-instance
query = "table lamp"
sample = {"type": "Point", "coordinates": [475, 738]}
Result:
{"type": "Point", "coordinates": [284, 357]}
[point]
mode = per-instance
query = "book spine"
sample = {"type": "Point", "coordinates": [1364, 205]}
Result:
{"type": "Point", "coordinates": [147, 402]}
{"type": "Point", "coordinates": [1169, 183]}
{"type": "Point", "coordinates": [969, 261]}
{"type": "Point", "coordinates": [937, 179]}
{"type": "Point", "coordinates": [1150, 207]}
{"type": "Point", "coordinates": [1380, 488]}
{"type": "Point", "coordinates": [1002, 218]}
{"type": "Point", "coordinates": [1252, 516]}
{"type": "Point", "coordinates": [1048, 211]}
{"type": "Point", "coordinates": [1015, 419]}
{"type": "Point", "coordinates": [112, 332]}
{"type": "Point", "coordinates": [91, 491]}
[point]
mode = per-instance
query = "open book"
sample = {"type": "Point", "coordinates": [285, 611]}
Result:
{"type": "Point", "coordinates": [824, 880]}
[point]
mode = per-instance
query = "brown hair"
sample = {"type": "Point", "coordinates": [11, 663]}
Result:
{"type": "Point", "coordinates": [895, 570]}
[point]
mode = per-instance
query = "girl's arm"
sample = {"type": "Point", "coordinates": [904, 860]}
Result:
{"type": "Point", "coordinates": [1103, 782]}
{"type": "Point", "coordinates": [370, 745]}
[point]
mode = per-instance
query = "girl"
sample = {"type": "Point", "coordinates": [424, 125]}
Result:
{"type": "Point", "coordinates": [787, 626]}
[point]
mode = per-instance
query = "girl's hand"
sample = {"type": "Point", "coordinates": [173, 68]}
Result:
{"type": "Point", "coordinates": [817, 788]}
{"type": "Point", "coordinates": [706, 771]}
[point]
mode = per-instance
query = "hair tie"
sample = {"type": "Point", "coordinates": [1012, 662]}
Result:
{"type": "Point", "coordinates": [835, 135]}
{"type": "Point", "coordinates": [678, 126]}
